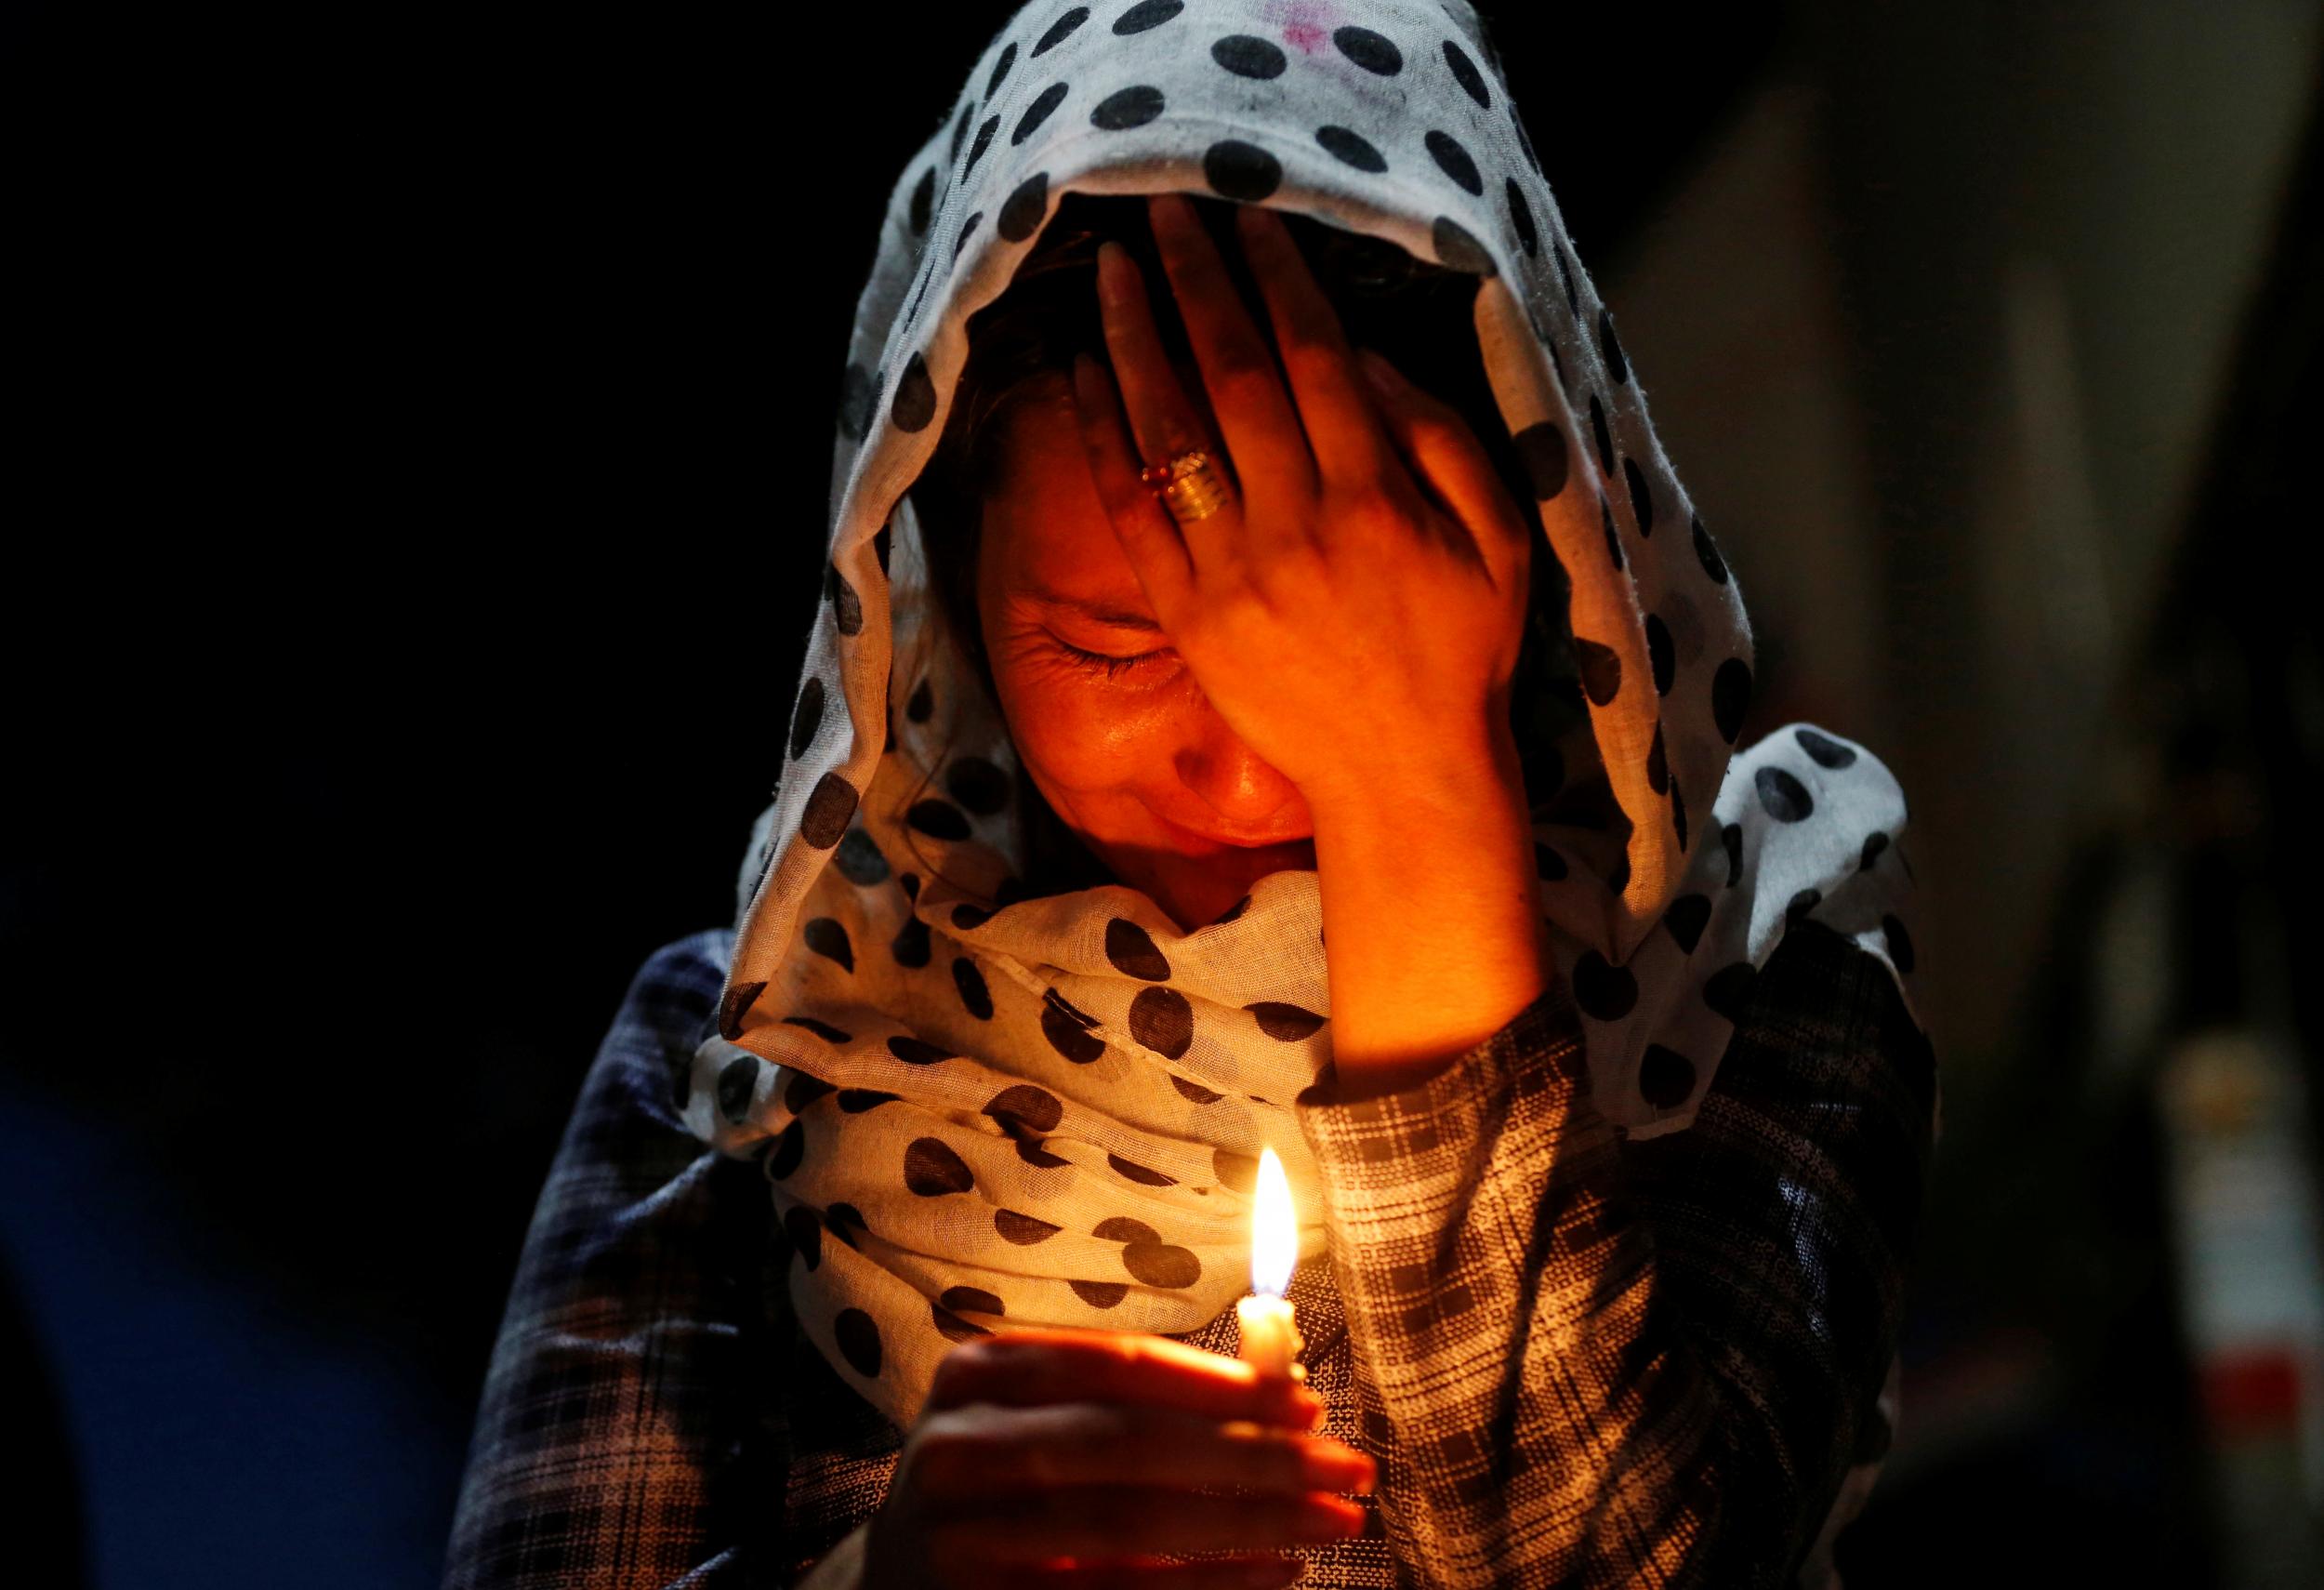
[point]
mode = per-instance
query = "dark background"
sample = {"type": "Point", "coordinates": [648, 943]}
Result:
{"type": "Point", "coordinates": [421, 426]}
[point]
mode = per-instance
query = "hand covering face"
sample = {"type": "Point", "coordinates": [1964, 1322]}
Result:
{"type": "Point", "coordinates": [975, 1108]}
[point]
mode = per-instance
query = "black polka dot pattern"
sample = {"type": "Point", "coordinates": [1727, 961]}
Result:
{"type": "Point", "coordinates": [827, 937]}
{"type": "Point", "coordinates": [790, 1148]}
{"type": "Point", "coordinates": [1458, 249]}
{"type": "Point", "coordinates": [1685, 918]}
{"type": "Point", "coordinates": [1521, 218]}
{"type": "Point", "coordinates": [805, 1230]}
{"type": "Point", "coordinates": [1642, 497]}
{"type": "Point", "coordinates": [1601, 671]}
{"type": "Point", "coordinates": [1373, 52]}
{"type": "Point", "coordinates": [1541, 448]}
{"type": "Point", "coordinates": [1247, 54]}
{"type": "Point", "coordinates": [1130, 1170]}
{"type": "Point", "coordinates": [807, 717]}
{"type": "Point", "coordinates": [938, 819]}
{"type": "Point", "coordinates": [1465, 72]}
{"type": "Point", "coordinates": [1002, 1099]}
{"type": "Point", "coordinates": [1284, 1023]}
{"type": "Point", "coordinates": [1603, 991]}
{"type": "Point", "coordinates": [1351, 147]}
{"type": "Point", "coordinates": [858, 1335]}
{"type": "Point", "coordinates": [803, 1090]}
{"type": "Point", "coordinates": [915, 402]}
{"type": "Point", "coordinates": [1163, 1021]}
{"type": "Point", "coordinates": [1022, 1230]}
{"type": "Point", "coordinates": [932, 1168]}
{"type": "Point", "coordinates": [1610, 348]}
{"type": "Point", "coordinates": [1782, 797]}
{"type": "Point", "coordinates": [1824, 750]}
{"type": "Point", "coordinates": [1237, 1172]}
{"type": "Point", "coordinates": [1061, 30]}
{"type": "Point", "coordinates": [829, 806]}
{"type": "Point", "coordinates": [1029, 121]}
{"type": "Point", "coordinates": [1241, 171]}
{"type": "Point", "coordinates": [1146, 14]}
{"type": "Point", "coordinates": [1731, 697]}
{"type": "Point", "coordinates": [1133, 951]}
{"type": "Point", "coordinates": [735, 1005]}
{"type": "Point", "coordinates": [738, 1084]}
{"type": "Point", "coordinates": [1899, 942]}
{"type": "Point", "coordinates": [1194, 1091]}
{"type": "Point", "coordinates": [1665, 1078]}
{"type": "Point", "coordinates": [1127, 108]}
{"type": "Point", "coordinates": [973, 992]}
{"type": "Point", "coordinates": [1022, 211]}
{"type": "Point", "coordinates": [1453, 160]}
{"type": "Point", "coordinates": [859, 861]}
{"type": "Point", "coordinates": [1661, 655]}
{"type": "Point", "coordinates": [1068, 1031]}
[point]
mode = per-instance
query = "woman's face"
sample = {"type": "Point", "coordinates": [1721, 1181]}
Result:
{"type": "Point", "coordinates": [1122, 742]}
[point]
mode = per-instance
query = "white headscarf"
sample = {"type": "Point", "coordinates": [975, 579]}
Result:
{"type": "Point", "coordinates": [975, 1109]}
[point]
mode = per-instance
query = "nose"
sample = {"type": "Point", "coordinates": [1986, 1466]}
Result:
{"type": "Point", "coordinates": [1232, 779]}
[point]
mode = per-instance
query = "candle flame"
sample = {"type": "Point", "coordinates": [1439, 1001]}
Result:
{"type": "Point", "coordinates": [1275, 1230]}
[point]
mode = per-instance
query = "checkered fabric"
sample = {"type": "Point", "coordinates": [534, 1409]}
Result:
{"type": "Point", "coordinates": [1580, 1359]}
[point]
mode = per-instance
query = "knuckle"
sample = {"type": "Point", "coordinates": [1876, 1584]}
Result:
{"type": "Point", "coordinates": [959, 1370]}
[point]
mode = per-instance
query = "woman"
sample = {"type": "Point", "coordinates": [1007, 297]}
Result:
{"type": "Point", "coordinates": [1292, 753]}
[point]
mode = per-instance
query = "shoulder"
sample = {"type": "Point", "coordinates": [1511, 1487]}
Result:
{"type": "Point", "coordinates": [674, 993]}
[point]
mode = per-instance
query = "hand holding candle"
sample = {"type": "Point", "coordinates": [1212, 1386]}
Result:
{"type": "Point", "coordinates": [1271, 1335]}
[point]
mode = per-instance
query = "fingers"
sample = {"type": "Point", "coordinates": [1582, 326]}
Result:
{"type": "Point", "coordinates": [1150, 537]}
{"type": "Point", "coordinates": [1108, 1521]}
{"type": "Point", "coordinates": [1341, 427]}
{"type": "Point", "coordinates": [967, 1453]}
{"type": "Point", "coordinates": [1229, 1573]}
{"type": "Point", "coordinates": [1036, 1365]}
{"type": "Point", "coordinates": [1161, 417]}
{"type": "Point", "coordinates": [1443, 454]}
{"type": "Point", "coordinates": [1256, 419]}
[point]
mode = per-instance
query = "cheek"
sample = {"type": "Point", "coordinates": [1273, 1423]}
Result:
{"type": "Point", "coordinates": [1077, 732]}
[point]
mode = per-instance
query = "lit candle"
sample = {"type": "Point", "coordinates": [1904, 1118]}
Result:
{"type": "Point", "coordinates": [1271, 1336]}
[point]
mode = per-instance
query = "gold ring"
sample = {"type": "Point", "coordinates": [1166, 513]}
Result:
{"type": "Point", "coordinates": [1189, 485]}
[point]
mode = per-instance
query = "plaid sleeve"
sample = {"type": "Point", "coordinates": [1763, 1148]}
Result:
{"type": "Point", "coordinates": [1648, 1364]}
{"type": "Point", "coordinates": [624, 1441]}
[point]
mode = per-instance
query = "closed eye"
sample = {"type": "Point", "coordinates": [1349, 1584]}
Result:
{"type": "Point", "coordinates": [1111, 665]}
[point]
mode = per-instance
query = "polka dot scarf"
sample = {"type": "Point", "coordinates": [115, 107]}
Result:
{"type": "Point", "coordinates": [975, 1108]}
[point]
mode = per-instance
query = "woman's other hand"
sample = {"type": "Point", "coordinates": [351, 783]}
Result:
{"type": "Point", "coordinates": [1368, 585]}
{"type": "Point", "coordinates": [1072, 1458]}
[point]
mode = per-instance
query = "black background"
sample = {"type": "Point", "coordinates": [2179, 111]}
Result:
{"type": "Point", "coordinates": [423, 424]}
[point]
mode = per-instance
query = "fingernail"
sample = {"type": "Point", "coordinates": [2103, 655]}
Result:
{"type": "Point", "coordinates": [1376, 370]}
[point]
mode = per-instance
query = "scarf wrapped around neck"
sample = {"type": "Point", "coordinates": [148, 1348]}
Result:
{"type": "Point", "coordinates": [977, 1107]}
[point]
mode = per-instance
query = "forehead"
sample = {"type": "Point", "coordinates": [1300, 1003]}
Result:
{"type": "Point", "coordinates": [1047, 540]}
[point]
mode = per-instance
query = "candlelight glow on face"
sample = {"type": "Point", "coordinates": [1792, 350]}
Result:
{"type": "Point", "coordinates": [1271, 1336]}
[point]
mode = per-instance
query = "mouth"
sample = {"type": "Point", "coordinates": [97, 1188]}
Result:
{"type": "Point", "coordinates": [1242, 841]}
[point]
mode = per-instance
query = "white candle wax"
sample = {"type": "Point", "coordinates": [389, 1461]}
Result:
{"type": "Point", "coordinates": [1271, 1335]}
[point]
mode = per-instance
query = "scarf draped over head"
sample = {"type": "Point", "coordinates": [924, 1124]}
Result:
{"type": "Point", "coordinates": [975, 1108]}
